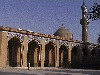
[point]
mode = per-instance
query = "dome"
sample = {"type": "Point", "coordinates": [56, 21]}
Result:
{"type": "Point", "coordinates": [63, 32]}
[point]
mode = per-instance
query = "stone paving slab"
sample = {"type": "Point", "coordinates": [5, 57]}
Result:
{"type": "Point", "coordinates": [47, 71]}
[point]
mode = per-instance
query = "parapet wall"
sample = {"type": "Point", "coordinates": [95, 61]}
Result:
{"type": "Point", "coordinates": [28, 32]}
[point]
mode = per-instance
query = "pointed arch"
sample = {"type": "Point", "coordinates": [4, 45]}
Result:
{"type": "Point", "coordinates": [63, 56]}
{"type": "Point", "coordinates": [50, 55]}
{"type": "Point", "coordinates": [33, 53]}
{"type": "Point", "coordinates": [14, 52]}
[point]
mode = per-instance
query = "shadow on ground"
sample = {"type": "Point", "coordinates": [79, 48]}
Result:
{"type": "Point", "coordinates": [10, 73]}
{"type": "Point", "coordinates": [76, 71]}
{"type": "Point", "coordinates": [50, 72]}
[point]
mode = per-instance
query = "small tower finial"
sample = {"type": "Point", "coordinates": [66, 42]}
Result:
{"type": "Point", "coordinates": [62, 25]}
{"type": "Point", "coordinates": [83, 2]}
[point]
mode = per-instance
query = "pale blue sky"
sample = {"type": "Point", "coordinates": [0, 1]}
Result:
{"type": "Point", "coordinates": [46, 16]}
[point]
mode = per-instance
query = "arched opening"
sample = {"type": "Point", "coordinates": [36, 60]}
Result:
{"type": "Point", "coordinates": [63, 56]}
{"type": "Point", "coordinates": [50, 55]}
{"type": "Point", "coordinates": [86, 57]}
{"type": "Point", "coordinates": [14, 52]}
{"type": "Point", "coordinates": [33, 56]}
{"type": "Point", "coordinates": [95, 53]}
{"type": "Point", "coordinates": [74, 57]}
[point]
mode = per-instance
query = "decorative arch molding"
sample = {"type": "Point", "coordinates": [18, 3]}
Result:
{"type": "Point", "coordinates": [16, 35]}
{"type": "Point", "coordinates": [63, 54]}
{"type": "Point", "coordinates": [65, 43]}
{"type": "Point", "coordinates": [77, 45]}
{"type": "Point", "coordinates": [35, 38]}
{"type": "Point", "coordinates": [47, 40]}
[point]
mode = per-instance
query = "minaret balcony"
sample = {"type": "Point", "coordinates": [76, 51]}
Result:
{"type": "Point", "coordinates": [84, 21]}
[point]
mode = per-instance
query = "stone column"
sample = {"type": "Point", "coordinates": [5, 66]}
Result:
{"type": "Point", "coordinates": [21, 57]}
{"type": "Point", "coordinates": [18, 57]}
{"type": "Point", "coordinates": [3, 48]}
{"type": "Point", "coordinates": [57, 54]}
{"type": "Point", "coordinates": [36, 57]}
{"type": "Point", "coordinates": [69, 52]}
{"type": "Point", "coordinates": [42, 53]}
{"type": "Point", "coordinates": [25, 50]}
{"type": "Point", "coordinates": [39, 56]}
{"type": "Point", "coordinates": [55, 49]}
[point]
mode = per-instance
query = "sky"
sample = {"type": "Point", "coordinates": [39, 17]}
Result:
{"type": "Point", "coordinates": [46, 16]}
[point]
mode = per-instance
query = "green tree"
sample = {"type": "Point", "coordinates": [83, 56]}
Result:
{"type": "Point", "coordinates": [94, 13]}
{"type": "Point", "coordinates": [98, 40]}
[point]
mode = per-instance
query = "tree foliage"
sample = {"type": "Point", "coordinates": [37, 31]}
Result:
{"type": "Point", "coordinates": [94, 13]}
{"type": "Point", "coordinates": [98, 40]}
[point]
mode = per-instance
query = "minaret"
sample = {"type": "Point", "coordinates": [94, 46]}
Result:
{"type": "Point", "coordinates": [84, 22]}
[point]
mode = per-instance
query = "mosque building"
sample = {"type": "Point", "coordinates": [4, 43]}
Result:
{"type": "Point", "coordinates": [19, 48]}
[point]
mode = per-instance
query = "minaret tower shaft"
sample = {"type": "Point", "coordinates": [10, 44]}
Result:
{"type": "Point", "coordinates": [84, 22]}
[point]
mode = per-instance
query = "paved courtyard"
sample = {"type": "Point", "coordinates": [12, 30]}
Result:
{"type": "Point", "coordinates": [46, 71]}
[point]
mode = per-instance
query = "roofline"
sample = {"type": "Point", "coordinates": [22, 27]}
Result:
{"type": "Point", "coordinates": [28, 32]}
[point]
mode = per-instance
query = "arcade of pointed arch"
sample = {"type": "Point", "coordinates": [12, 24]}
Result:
{"type": "Point", "coordinates": [41, 39]}
{"type": "Point", "coordinates": [35, 38]}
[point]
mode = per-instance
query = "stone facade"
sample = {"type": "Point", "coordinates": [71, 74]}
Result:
{"type": "Point", "coordinates": [19, 47]}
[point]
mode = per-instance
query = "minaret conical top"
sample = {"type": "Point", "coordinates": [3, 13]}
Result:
{"type": "Point", "coordinates": [62, 25]}
{"type": "Point", "coordinates": [83, 2]}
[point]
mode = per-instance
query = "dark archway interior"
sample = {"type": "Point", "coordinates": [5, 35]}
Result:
{"type": "Point", "coordinates": [50, 55]}
{"type": "Point", "coordinates": [63, 56]}
{"type": "Point", "coordinates": [74, 55]}
{"type": "Point", "coordinates": [33, 54]}
{"type": "Point", "coordinates": [13, 46]}
{"type": "Point", "coordinates": [74, 50]}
